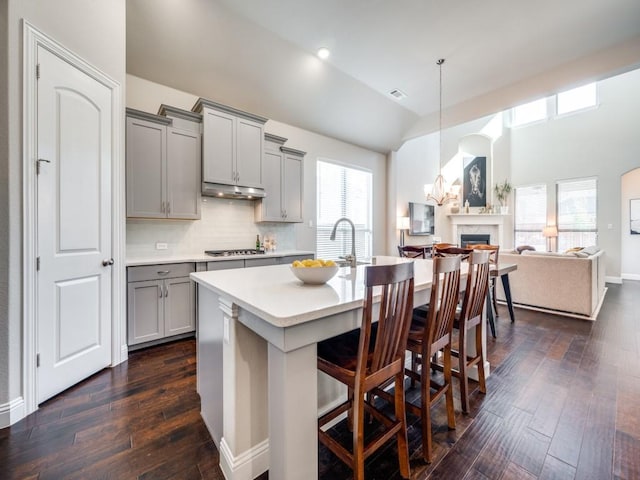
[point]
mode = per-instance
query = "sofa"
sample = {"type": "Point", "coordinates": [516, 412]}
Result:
{"type": "Point", "coordinates": [562, 283]}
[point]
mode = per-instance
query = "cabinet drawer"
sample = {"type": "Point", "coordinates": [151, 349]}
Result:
{"type": "Point", "coordinates": [158, 272]}
{"type": "Point", "coordinates": [259, 262]}
{"type": "Point", "coordinates": [225, 264]}
{"type": "Point", "coordinates": [291, 258]}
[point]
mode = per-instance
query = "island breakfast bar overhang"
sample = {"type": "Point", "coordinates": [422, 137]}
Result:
{"type": "Point", "coordinates": [258, 330]}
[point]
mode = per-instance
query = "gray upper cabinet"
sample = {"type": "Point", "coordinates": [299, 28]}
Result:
{"type": "Point", "coordinates": [283, 179]}
{"type": "Point", "coordinates": [232, 145]}
{"type": "Point", "coordinates": [163, 164]}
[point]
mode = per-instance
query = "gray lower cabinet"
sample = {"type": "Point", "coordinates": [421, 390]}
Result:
{"type": "Point", "coordinates": [291, 258]}
{"type": "Point", "coordinates": [161, 302]}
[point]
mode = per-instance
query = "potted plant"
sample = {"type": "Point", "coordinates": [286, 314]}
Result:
{"type": "Point", "coordinates": [502, 194]}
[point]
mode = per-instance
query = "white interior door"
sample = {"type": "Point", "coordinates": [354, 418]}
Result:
{"type": "Point", "coordinates": [74, 123]}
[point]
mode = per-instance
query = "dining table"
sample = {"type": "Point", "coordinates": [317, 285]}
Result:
{"type": "Point", "coordinates": [257, 335]}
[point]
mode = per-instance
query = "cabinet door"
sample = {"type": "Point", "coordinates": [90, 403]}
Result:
{"type": "Point", "coordinates": [271, 205]}
{"type": "Point", "coordinates": [145, 311]}
{"type": "Point", "coordinates": [146, 160]}
{"type": "Point", "coordinates": [249, 138]}
{"type": "Point", "coordinates": [183, 174]}
{"type": "Point", "coordinates": [179, 308]}
{"type": "Point", "coordinates": [292, 188]}
{"type": "Point", "coordinates": [218, 147]}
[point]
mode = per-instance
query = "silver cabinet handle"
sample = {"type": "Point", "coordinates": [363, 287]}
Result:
{"type": "Point", "coordinates": [166, 291]}
{"type": "Point", "coordinates": [38, 163]}
{"type": "Point", "coordinates": [168, 207]}
{"type": "Point", "coordinates": [160, 291]}
{"type": "Point", "coordinates": [162, 208]}
{"type": "Point", "coordinates": [107, 261]}
{"type": "Point", "coordinates": [164, 272]}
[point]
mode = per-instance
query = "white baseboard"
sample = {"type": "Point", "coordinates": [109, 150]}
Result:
{"type": "Point", "coordinates": [247, 465]}
{"type": "Point", "coordinates": [613, 279]}
{"type": "Point", "coordinates": [12, 412]}
{"type": "Point", "coordinates": [630, 276]}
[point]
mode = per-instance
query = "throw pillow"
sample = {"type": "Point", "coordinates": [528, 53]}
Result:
{"type": "Point", "coordinates": [574, 249]}
{"type": "Point", "coordinates": [590, 250]}
{"type": "Point", "coordinates": [522, 248]}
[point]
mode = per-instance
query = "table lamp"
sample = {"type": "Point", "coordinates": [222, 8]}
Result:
{"type": "Point", "coordinates": [402, 225]}
{"type": "Point", "coordinates": [549, 232]}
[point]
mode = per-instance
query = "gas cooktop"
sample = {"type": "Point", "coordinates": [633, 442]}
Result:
{"type": "Point", "coordinates": [233, 253]}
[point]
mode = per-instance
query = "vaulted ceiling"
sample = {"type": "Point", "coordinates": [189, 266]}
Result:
{"type": "Point", "coordinates": [259, 56]}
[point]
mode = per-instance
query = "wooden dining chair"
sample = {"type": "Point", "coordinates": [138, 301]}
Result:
{"type": "Point", "coordinates": [470, 317]}
{"type": "Point", "coordinates": [413, 251]}
{"type": "Point", "coordinates": [427, 336]}
{"type": "Point", "coordinates": [368, 357]}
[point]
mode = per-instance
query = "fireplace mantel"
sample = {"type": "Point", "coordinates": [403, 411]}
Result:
{"type": "Point", "coordinates": [475, 219]}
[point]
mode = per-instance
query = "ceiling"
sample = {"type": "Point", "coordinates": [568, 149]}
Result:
{"type": "Point", "coordinates": [259, 56]}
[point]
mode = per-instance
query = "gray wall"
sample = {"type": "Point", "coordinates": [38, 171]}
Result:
{"type": "Point", "coordinates": [93, 29]}
{"type": "Point", "coordinates": [600, 142]}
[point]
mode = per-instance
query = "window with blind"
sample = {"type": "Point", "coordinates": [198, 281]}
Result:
{"type": "Point", "coordinates": [530, 216]}
{"type": "Point", "coordinates": [577, 213]}
{"type": "Point", "coordinates": [343, 192]}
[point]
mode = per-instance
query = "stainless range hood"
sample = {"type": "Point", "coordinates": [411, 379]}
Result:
{"type": "Point", "coordinates": [231, 191]}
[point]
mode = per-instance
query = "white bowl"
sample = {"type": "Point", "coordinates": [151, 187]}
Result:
{"type": "Point", "coordinates": [315, 275]}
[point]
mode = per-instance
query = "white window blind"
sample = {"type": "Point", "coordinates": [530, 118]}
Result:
{"type": "Point", "coordinates": [577, 99]}
{"type": "Point", "coordinates": [343, 192]}
{"type": "Point", "coordinates": [530, 216]}
{"type": "Point", "coordinates": [529, 112]}
{"type": "Point", "coordinates": [577, 213]}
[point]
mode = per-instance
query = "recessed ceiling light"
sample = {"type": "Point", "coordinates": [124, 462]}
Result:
{"type": "Point", "coordinates": [323, 53]}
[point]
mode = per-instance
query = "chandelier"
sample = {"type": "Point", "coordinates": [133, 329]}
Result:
{"type": "Point", "coordinates": [439, 191]}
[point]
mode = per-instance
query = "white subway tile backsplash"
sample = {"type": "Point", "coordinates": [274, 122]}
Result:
{"type": "Point", "coordinates": [225, 224]}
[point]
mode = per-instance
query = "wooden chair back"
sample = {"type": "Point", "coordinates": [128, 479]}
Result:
{"type": "Point", "coordinates": [475, 293]}
{"type": "Point", "coordinates": [494, 251]}
{"type": "Point", "coordinates": [394, 319]}
{"type": "Point", "coordinates": [444, 297]}
{"type": "Point", "coordinates": [451, 251]}
{"type": "Point", "coordinates": [412, 251]}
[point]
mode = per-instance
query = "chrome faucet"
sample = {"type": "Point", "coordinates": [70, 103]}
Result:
{"type": "Point", "coordinates": [349, 258]}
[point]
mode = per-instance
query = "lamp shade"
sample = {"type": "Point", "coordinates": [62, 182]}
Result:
{"type": "Point", "coordinates": [550, 231]}
{"type": "Point", "coordinates": [402, 223]}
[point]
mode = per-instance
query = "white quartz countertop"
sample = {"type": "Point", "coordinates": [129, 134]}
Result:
{"type": "Point", "coordinates": [275, 294]}
{"type": "Point", "coordinates": [203, 257]}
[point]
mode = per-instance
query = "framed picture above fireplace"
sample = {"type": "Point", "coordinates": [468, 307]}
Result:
{"type": "Point", "coordinates": [422, 219]}
{"type": "Point", "coordinates": [474, 185]}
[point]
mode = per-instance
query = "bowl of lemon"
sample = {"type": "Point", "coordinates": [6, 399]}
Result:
{"type": "Point", "coordinates": [314, 272]}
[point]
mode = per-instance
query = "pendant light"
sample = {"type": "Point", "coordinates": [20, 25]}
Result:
{"type": "Point", "coordinates": [439, 191]}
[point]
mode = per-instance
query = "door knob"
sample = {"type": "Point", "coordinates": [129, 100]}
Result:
{"type": "Point", "coordinates": [107, 262]}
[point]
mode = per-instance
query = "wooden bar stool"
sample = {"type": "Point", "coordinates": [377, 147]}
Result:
{"type": "Point", "coordinates": [470, 316]}
{"type": "Point", "coordinates": [367, 358]}
{"type": "Point", "coordinates": [427, 336]}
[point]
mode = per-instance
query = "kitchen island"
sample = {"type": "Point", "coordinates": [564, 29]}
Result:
{"type": "Point", "coordinates": [257, 334]}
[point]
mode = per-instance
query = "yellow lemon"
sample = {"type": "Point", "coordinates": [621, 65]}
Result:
{"type": "Point", "coordinates": [297, 263]}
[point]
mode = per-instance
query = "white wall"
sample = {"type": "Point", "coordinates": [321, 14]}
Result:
{"type": "Point", "coordinates": [630, 243]}
{"type": "Point", "coordinates": [601, 142]}
{"type": "Point", "coordinates": [94, 30]}
{"type": "Point", "coordinates": [148, 96]}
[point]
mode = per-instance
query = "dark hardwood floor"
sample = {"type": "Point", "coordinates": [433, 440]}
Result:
{"type": "Point", "coordinates": [563, 402]}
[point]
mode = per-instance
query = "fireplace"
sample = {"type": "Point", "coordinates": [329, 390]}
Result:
{"type": "Point", "coordinates": [474, 238]}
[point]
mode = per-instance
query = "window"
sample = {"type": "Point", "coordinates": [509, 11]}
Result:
{"type": "Point", "coordinates": [576, 213]}
{"type": "Point", "coordinates": [343, 192]}
{"type": "Point", "coordinates": [529, 112]}
{"type": "Point", "coordinates": [530, 216]}
{"type": "Point", "coordinates": [577, 99]}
